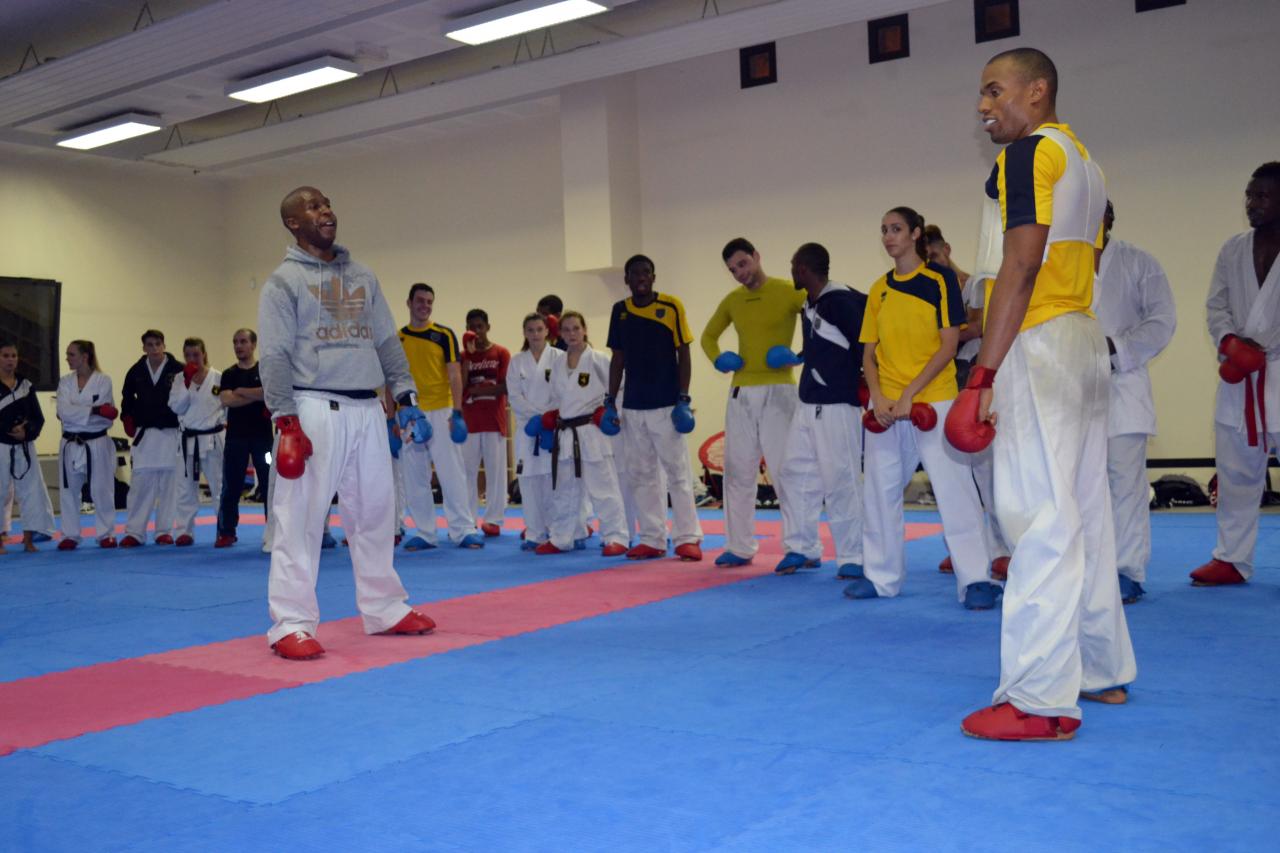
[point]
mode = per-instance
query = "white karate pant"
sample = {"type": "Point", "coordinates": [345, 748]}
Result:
{"type": "Point", "coordinates": [599, 481]}
{"type": "Point", "coordinates": [269, 531]}
{"type": "Point", "coordinates": [1130, 503]}
{"type": "Point", "coordinates": [626, 487]}
{"type": "Point", "coordinates": [1063, 628]}
{"type": "Point", "coordinates": [824, 466]}
{"type": "Point", "coordinates": [984, 479]}
{"type": "Point", "coordinates": [891, 459]}
{"type": "Point", "coordinates": [188, 490]}
{"type": "Point", "coordinates": [659, 453]}
{"type": "Point", "coordinates": [150, 489]}
{"type": "Point", "coordinates": [415, 466]}
{"type": "Point", "coordinates": [491, 448]}
{"type": "Point", "coordinates": [536, 503]}
{"type": "Point", "coordinates": [1242, 474]}
{"type": "Point", "coordinates": [6, 501]}
{"type": "Point", "coordinates": [27, 482]}
{"type": "Point", "coordinates": [757, 419]}
{"type": "Point", "coordinates": [102, 488]}
{"type": "Point", "coordinates": [349, 455]}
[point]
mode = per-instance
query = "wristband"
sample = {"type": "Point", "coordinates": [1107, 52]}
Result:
{"type": "Point", "coordinates": [980, 377]}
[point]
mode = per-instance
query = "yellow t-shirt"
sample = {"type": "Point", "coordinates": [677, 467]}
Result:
{"type": "Point", "coordinates": [430, 351]}
{"type": "Point", "coordinates": [902, 319]}
{"type": "Point", "coordinates": [1026, 175]}
{"type": "Point", "coordinates": [764, 318]}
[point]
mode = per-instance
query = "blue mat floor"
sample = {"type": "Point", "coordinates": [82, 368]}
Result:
{"type": "Point", "coordinates": [766, 715]}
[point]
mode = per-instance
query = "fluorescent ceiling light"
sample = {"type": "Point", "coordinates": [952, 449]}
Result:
{"type": "Point", "coordinates": [107, 131]}
{"type": "Point", "coordinates": [292, 80]}
{"type": "Point", "coordinates": [522, 17]}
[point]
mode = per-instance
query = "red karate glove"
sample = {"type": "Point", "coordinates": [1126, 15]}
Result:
{"type": "Point", "coordinates": [924, 416]}
{"type": "Point", "coordinates": [1230, 373]}
{"type": "Point", "coordinates": [963, 429]}
{"type": "Point", "coordinates": [293, 449]}
{"type": "Point", "coordinates": [188, 371]}
{"type": "Point", "coordinates": [869, 421]}
{"type": "Point", "coordinates": [553, 327]}
{"type": "Point", "coordinates": [130, 428]}
{"type": "Point", "coordinates": [1242, 358]}
{"type": "Point", "coordinates": [106, 410]}
{"type": "Point", "coordinates": [551, 419]}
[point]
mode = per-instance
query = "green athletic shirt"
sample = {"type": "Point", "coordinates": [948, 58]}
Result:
{"type": "Point", "coordinates": [764, 318]}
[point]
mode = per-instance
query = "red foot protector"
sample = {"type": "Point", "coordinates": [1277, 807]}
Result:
{"type": "Point", "coordinates": [1005, 722]}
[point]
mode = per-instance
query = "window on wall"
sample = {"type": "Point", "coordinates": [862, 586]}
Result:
{"type": "Point", "coordinates": [30, 310]}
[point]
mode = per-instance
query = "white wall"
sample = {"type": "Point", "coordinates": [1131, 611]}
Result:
{"type": "Point", "coordinates": [134, 248]}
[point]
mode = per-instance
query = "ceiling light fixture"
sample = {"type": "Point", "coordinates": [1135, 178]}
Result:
{"type": "Point", "coordinates": [109, 130]}
{"type": "Point", "coordinates": [283, 82]}
{"type": "Point", "coordinates": [521, 17]}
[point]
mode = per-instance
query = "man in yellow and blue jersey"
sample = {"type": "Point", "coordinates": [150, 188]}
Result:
{"type": "Point", "coordinates": [432, 350]}
{"type": "Point", "coordinates": [1063, 631]}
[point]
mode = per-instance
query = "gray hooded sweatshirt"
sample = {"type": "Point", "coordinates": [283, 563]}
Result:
{"type": "Point", "coordinates": [326, 327]}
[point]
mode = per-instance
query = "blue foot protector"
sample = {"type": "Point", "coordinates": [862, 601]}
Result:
{"type": "Point", "coordinates": [327, 541]}
{"type": "Point", "coordinates": [861, 588]}
{"type": "Point", "coordinates": [1130, 590]}
{"type": "Point", "coordinates": [417, 543]}
{"type": "Point", "coordinates": [472, 540]}
{"type": "Point", "coordinates": [528, 545]}
{"type": "Point", "coordinates": [730, 559]}
{"type": "Point", "coordinates": [982, 596]}
{"type": "Point", "coordinates": [792, 561]}
{"type": "Point", "coordinates": [849, 572]}
{"type": "Point", "coordinates": [37, 536]}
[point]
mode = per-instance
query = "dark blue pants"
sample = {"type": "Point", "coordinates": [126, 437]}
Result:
{"type": "Point", "coordinates": [235, 456]}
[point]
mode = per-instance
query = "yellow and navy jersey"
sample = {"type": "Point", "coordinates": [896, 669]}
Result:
{"type": "Point", "coordinates": [902, 319]}
{"type": "Point", "coordinates": [430, 352]}
{"type": "Point", "coordinates": [763, 318]}
{"type": "Point", "coordinates": [650, 337]}
{"type": "Point", "coordinates": [1048, 178]}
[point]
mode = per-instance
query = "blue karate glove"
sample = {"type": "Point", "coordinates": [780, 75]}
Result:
{"type": "Point", "coordinates": [412, 419]}
{"type": "Point", "coordinates": [728, 362]}
{"type": "Point", "coordinates": [610, 424]}
{"type": "Point", "coordinates": [533, 427]}
{"type": "Point", "coordinates": [457, 427]}
{"type": "Point", "coordinates": [546, 438]}
{"type": "Point", "coordinates": [682, 416]}
{"type": "Point", "coordinates": [393, 436]}
{"type": "Point", "coordinates": [781, 356]}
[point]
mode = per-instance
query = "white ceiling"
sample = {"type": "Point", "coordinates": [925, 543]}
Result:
{"type": "Point", "coordinates": [178, 67]}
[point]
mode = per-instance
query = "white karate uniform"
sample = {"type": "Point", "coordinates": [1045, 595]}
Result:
{"type": "Point", "coordinates": [649, 436]}
{"type": "Point", "coordinates": [1237, 305]}
{"type": "Point", "coordinates": [491, 449]}
{"type": "Point", "coordinates": [416, 461]}
{"type": "Point", "coordinates": [756, 422]}
{"type": "Point", "coordinates": [891, 459]}
{"type": "Point", "coordinates": [1134, 303]}
{"type": "Point", "coordinates": [20, 471]}
{"type": "Point", "coordinates": [349, 455]}
{"type": "Point", "coordinates": [197, 408]}
{"type": "Point", "coordinates": [823, 462]}
{"type": "Point", "coordinates": [154, 460]}
{"type": "Point", "coordinates": [93, 459]}
{"type": "Point", "coordinates": [577, 391]}
{"type": "Point", "coordinates": [529, 392]}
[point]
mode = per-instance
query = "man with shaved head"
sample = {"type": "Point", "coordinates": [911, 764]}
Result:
{"type": "Point", "coordinates": [1063, 633]}
{"type": "Point", "coordinates": [329, 347]}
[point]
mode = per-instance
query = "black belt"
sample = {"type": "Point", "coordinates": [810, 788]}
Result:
{"type": "Point", "coordinates": [13, 458]}
{"type": "Point", "coordinates": [195, 458]}
{"type": "Point", "coordinates": [571, 424]}
{"type": "Point", "coordinates": [341, 392]}
{"type": "Point", "coordinates": [81, 438]}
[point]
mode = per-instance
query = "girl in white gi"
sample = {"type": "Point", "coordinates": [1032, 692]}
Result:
{"type": "Point", "coordinates": [86, 408]}
{"type": "Point", "coordinates": [20, 423]}
{"type": "Point", "coordinates": [200, 412]}
{"type": "Point", "coordinates": [582, 456]}
{"type": "Point", "coordinates": [910, 331]}
{"type": "Point", "coordinates": [529, 391]}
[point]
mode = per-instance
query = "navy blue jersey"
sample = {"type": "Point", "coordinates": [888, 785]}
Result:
{"type": "Point", "coordinates": [832, 354]}
{"type": "Point", "coordinates": [650, 337]}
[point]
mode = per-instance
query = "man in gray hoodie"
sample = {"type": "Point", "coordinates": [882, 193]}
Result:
{"type": "Point", "coordinates": [328, 347]}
